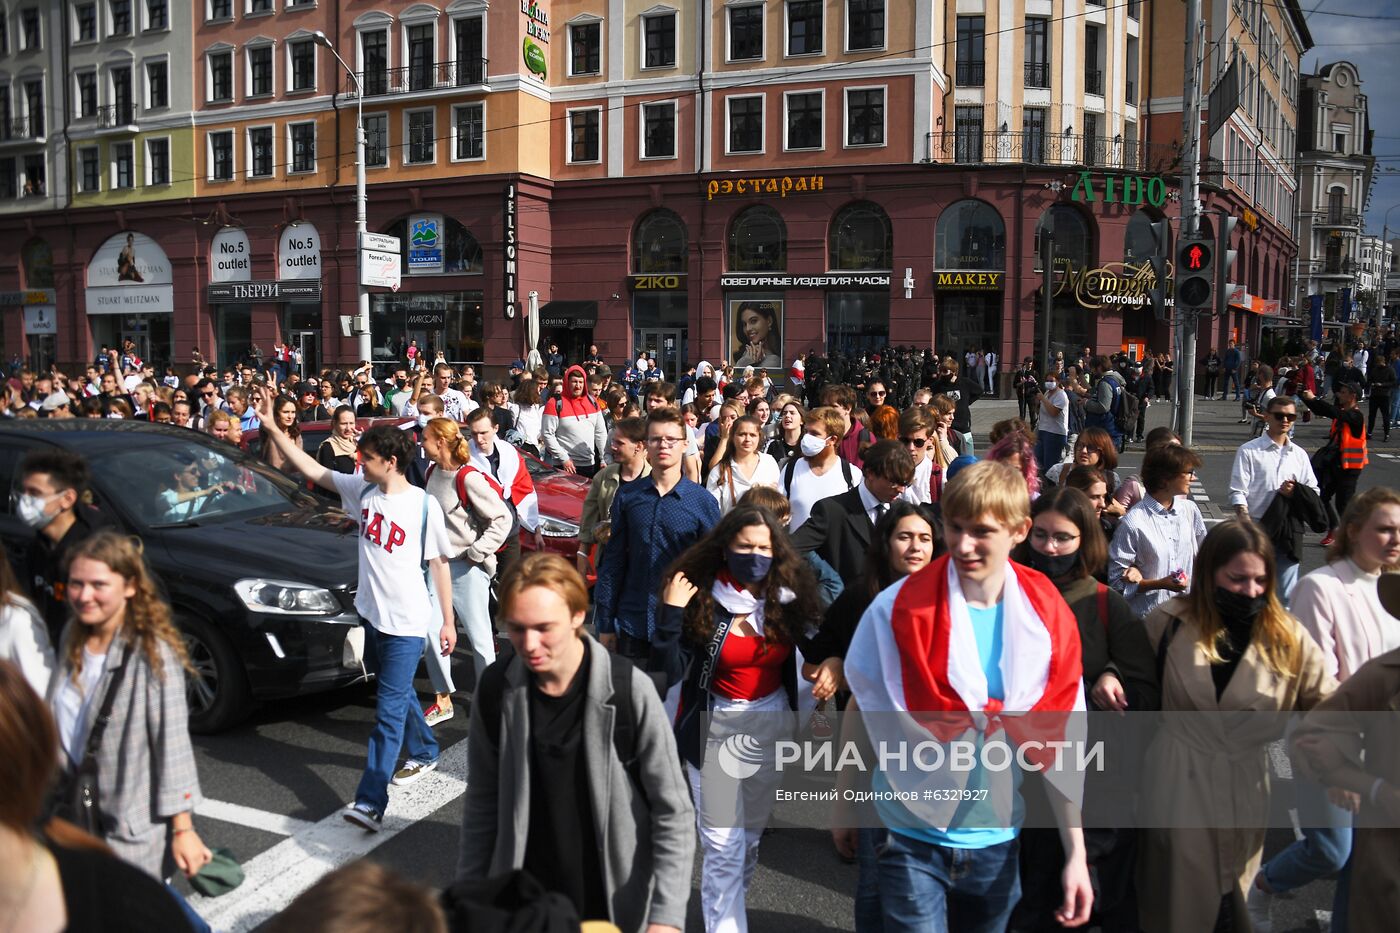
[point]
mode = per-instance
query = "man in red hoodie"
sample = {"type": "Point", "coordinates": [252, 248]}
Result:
{"type": "Point", "coordinates": [573, 431]}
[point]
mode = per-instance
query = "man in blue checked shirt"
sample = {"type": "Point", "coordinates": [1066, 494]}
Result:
{"type": "Point", "coordinates": [653, 521]}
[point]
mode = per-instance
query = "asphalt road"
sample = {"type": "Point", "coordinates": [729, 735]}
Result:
{"type": "Point", "coordinates": [274, 784]}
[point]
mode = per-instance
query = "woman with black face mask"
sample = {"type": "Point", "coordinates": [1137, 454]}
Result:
{"type": "Point", "coordinates": [735, 606]}
{"type": "Point", "coordinates": [1226, 646]}
{"type": "Point", "coordinates": [1066, 543]}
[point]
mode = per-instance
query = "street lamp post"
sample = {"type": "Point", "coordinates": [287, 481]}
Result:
{"type": "Point", "coordinates": [1385, 260]}
{"type": "Point", "coordinates": [361, 206]}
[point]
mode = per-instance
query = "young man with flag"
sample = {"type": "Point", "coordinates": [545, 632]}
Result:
{"type": "Point", "coordinates": [941, 655]}
{"type": "Point", "coordinates": [506, 468]}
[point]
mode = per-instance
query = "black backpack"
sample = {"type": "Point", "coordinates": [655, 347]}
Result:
{"type": "Point", "coordinates": [791, 469]}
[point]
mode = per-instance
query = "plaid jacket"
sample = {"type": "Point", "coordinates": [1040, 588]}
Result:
{"type": "Point", "coordinates": [145, 765]}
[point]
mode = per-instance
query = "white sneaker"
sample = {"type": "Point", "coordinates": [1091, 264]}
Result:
{"type": "Point", "coordinates": [412, 771]}
{"type": "Point", "coordinates": [1260, 904]}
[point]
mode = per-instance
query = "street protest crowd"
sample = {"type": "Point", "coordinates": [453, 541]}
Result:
{"type": "Point", "coordinates": [766, 553]}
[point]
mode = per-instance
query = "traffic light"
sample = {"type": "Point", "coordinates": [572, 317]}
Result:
{"type": "Point", "coordinates": [1224, 262]}
{"type": "Point", "coordinates": [1194, 269]}
{"type": "Point", "coordinates": [1157, 294]}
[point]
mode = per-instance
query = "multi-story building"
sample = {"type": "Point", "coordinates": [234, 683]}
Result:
{"type": "Point", "coordinates": [1335, 173]}
{"type": "Point", "coordinates": [1373, 261]}
{"type": "Point", "coordinates": [1247, 164]}
{"type": "Point", "coordinates": [659, 175]}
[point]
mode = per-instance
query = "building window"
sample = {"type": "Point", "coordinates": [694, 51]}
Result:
{"type": "Point", "coordinates": [221, 155]}
{"type": "Point", "coordinates": [970, 235]}
{"type": "Point", "coordinates": [967, 134]}
{"type": "Point", "coordinates": [745, 124]}
{"type": "Point", "coordinates": [120, 11]}
{"type": "Point", "coordinates": [1093, 140]}
{"type": "Point", "coordinates": [583, 135]}
{"type": "Point", "coordinates": [376, 140]}
{"type": "Point", "coordinates": [857, 321]}
{"type": "Point", "coordinates": [35, 172]}
{"type": "Point", "coordinates": [374, 58]}
{"type": "Point", "coordinates": [758, 241]}
{"type": "Point", "coordinates": [303, 55]}
{"type": "Point", "coordinates": [89, 169]}
{"type": "Point", "coordinates": [1033, 134]}
{"type": "Point", "coordinates": [659, 245]}
{"type": "Point", "coordinates": [259, 6]}
{"type": "Point", "coordinates": [34, 108]}
{"type": "Point", "coordinates": [260, 71]}
{"type": "Point", "coordinates": [157, 14]}
{"type": "Point", "coordinates": [86, 16]}
{"type": "Point", "coordinates": [469, 123]}
{"type": "Point", "coordinates": [865, 117]}
{"type": "Point", "coordinates": [87, 94]}
{"type": "Point", "coordinates": [260, 152]}
{"type": "Point", "coordinates": [421, 49]}
{"type": "Point", "coordinates": [157, 85]}
{"type": "Point", "coordinates": [123, 165]}
{"type": "Point", "coordinates": [220, 9]}
{"type": "Point", "coordinates": [804, 120]}
{"type": "Point", "coordinates": [1093, 64]}
{"type": "Point", "coordinates": [659, 131]}
{"type": "Point", "coordinates": [971, 69]}
{"type": "Point", "coordinates": [8, 182]}
{"type": "Point", "coordinates": [158, 161]}
{"type": "Point", "coordinates": [122, 111]}
{"type": "Point", "coordinates": [303, 147]}
{"type": "Point", "coordinates": [220, 77]}
{"type": "Point", "coordinates": [804, 27]}
{"type": "Point", "coordinates": [865, 25]}
{"type": "Point", "coordinates": [861, 238]}
{"type": "Point", "coordinates": [7, 128]}
{"type": "Point", "coordinates": [745, 33]}
{"type": "Point", "coordinates": [469, 41]}
{"type": "Point", "coordinates": [31, 32]}
{"type": "Point", "coordinates": [1037, 51]}
{"type": "Point", "coordinates": [585, 49]}
{"type": "Point", "coordinates": [659, 41]}
{"type": "Point", "coordinates": [421, 148]}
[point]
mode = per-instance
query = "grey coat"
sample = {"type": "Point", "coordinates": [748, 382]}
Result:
{"type": "Point", "coordinates": [145, 765]}
{"type": "Point", "coordinates": [648, 842]}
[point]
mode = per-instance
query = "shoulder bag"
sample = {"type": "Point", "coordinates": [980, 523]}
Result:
{"type": "Point", "coordinates": [75, 797]}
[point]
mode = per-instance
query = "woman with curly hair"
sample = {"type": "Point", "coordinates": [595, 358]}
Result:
{"type": "Point", "coordinates": [122, 649]}
{"type": "Point", "coordinates": [735, 608]}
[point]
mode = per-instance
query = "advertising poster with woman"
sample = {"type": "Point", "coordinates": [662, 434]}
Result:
{"type": "Point", "coordinates": [755, 333]}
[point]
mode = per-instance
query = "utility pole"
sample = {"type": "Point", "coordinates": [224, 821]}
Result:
{"type": "Point", "coordinates": [1186, 320]}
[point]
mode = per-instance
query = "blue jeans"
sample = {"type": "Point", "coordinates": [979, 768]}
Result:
{"type": "Point", "coordinates": [869, 914]}
{"type": "Point", "coordinates": [1232, 377]}
{"type": "Point", "coordinates": [398, 722]}
{"type": "Point", "coordinates": [1325, 848]}
{"type": "Point", "coordinates": [1287, 578]}
{"type": "Point", "coordinates": [1049, 448]}
{"type": "Point", "coordinates": [926, 888]}
{"type": "Point", "coordinates": [1394, 409]}
{"type": "Point", "coordinates": [197, 923]}
{"type": "Point", "coordinates": [471, 600]}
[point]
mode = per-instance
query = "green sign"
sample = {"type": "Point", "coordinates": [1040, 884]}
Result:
{"type": "Point", "coordinates": [1126, 189]}
{"type": "Point", "coordinates": [534, 58]}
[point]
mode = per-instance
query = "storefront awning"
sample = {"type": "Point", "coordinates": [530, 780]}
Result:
{"type": "Point", "coordinates": [569, 314]}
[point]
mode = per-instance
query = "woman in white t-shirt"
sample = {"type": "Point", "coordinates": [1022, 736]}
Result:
{"type": "Point", "coordinates": [742, 465]}
{"type": "Point", "coordinates": [1052, 425]}
{"type": "Point", "coordinates": [528, 412]}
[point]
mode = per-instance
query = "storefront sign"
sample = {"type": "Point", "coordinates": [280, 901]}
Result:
{"type": "Point", "coordinates": [956, 280]}
{"type": "Point", "coordinates": [1125, 189]}
{"type": "Point", "coordinates": [34, 296]}
{"type": "Point", "coordinates": [248, 292]}
{"type": "Point", "coordinates": [427, 320]}
{"type": "Point", "coordinates": [299, 253]}
{"type": "Point", "coordinates": [1250, 219]}
{"type": "Point", "coordinates": [425, 232]}
{"type": "Point", "coordinates": [380, 242]}
{"type": "Point", "coordinates": [657, 283]}
{"type": "Point", "coordinates": [781, 185]}
{"type": "Point", "coordinates": [780, 280]}
{"type": "Point", "coordinates": [380, 269]}
{"type": "Point", "coordinates": [536, 37]}
{"type": "Point", "coordinates": [1116, 285]}
{"type": "Point", "coordinates": [570, 314]}
{"type": "Point", "coordinates": [509, 248]}
{"type": "Point", "coordinates": [756, 334]}
{"type": "Point", "coordinates": [129, 274]}
{"type": "Point", "coordinates": [40, 319]}
{"type": "Point", "coordinates": [230, 256]}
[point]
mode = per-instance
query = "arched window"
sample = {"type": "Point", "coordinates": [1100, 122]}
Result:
{"type": "Point", "coordinates": [758, 241]}
{"type": "Point", "coordinates": [1071, 326]}
{"type": "Point", "coordinates": [1073, 241]}
{"type": "Point", "coordinates": [861, 238]}
{"type": "Point", "coordinates": [971, 235]}
{"type": "Point", "coordinates": [1138, 242]}
{"type": "Point", "coordinates": [659, 244]}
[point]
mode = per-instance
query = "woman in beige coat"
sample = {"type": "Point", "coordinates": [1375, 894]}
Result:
{"type": "Point", "coordinates": [1227, 647]}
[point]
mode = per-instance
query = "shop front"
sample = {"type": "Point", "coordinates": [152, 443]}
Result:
{"type": "Point", "coordinates": [568, 325]}
{"type": "Point", "coordinates": [659, 286]}
{"type": "Point", "coordinates": [250, 310]}
{"type": "Point", "coordinates": [1070, 326]}
{"type": "Point", "coordinates": [440, 304]}
{"type": "Point", "coordinates": [129, 296]}
{"type": "Point", "coordinates": [40, 304]}
{"type": "Point", "coordinates": [969, 278]}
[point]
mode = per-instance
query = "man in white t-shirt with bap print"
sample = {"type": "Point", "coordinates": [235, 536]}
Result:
{"type": "Point", "coordinates": [403, 545]}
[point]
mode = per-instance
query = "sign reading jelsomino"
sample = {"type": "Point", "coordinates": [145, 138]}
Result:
{"type": "Point", "coordinates": [129, 274]}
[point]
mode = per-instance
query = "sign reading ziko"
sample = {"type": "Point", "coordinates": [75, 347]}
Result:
{"type": "Point", "coordinates": [1127, 189]}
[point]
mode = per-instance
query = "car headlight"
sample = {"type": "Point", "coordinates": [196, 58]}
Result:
{"type": "Point", "coordinates": [283, 597]}
{"type": "Point", "coordinates": [557, 528]}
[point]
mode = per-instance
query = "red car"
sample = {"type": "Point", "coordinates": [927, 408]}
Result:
{"type": "Point", "coordinates": [560, 494]}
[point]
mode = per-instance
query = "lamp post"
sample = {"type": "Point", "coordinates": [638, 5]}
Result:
{"type": "Point", "coordinates": [362, 307]}
{"type": "Point", "coordinates": [1385, 259]}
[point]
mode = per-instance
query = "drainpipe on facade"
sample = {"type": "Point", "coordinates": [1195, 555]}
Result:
{"type": "Point", "coordinates": [701, 151]}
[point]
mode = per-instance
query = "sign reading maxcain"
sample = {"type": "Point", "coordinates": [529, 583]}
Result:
{"type": "Point", "coordinates": [509, 249]}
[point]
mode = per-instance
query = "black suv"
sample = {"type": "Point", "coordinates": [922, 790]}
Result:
{"type": "Point", "coordinates": [261, 580]}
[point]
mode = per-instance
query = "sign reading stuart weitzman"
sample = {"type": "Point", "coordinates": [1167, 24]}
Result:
{"type": "Point", "coordinates": [129, 274]}
{"type": "Point", "coordinates": [781, 185]}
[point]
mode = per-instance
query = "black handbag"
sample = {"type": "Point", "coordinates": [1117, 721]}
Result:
{"type": "Point", "coordinates": [1327, 462]}
{"type": "Point", "coordinates": [75, 797]}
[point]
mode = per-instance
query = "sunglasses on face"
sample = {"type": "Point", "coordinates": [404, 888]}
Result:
{"type": "Point", "coordinates": [917, 442]}
{"type": "Point", "coordinates": [1285, 417]}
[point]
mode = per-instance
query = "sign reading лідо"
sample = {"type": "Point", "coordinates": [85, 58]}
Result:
{"type": "Point", "coordinates": [1126, 189]}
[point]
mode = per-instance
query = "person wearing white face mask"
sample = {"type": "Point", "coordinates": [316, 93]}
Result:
{"type": "Point", "coordinates": [820, 471]}
{"type": "Point", "coordinates": [51, 487]}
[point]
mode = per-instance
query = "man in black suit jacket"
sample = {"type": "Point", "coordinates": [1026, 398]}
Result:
{"type": "Point", "coordinates": [840, 526]}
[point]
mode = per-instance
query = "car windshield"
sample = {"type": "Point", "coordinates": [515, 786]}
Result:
{"type": "Point", "coordinates": [183, 484]}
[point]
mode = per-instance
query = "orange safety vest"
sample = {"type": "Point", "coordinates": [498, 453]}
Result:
{"type": "Point", "coordinates": [1353, 448]}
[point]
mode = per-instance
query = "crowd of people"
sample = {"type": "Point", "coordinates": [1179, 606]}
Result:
{"type": "Point", "coordinates": [766, 553]}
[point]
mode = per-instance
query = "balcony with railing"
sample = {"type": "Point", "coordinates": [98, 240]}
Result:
{"type": "Point", "coordinates": [22, 130]}
{"type": "Point", "coordinates": [1093, 81]}
{"type": "Point", "coordinates": [1037, 74]}
{"type": "Point", "coordinates": [435, 76]}
{"type": "Point", "coordinates": [1340, 219]}
{"type": "Point", "coordinates": [117, 117]}
{"type": "Point", "coordinates": [975, 148]}
{"type": "Point", "coordinates": [970, 74]}
{"type": "Point", "coordinates": [1335, 267]}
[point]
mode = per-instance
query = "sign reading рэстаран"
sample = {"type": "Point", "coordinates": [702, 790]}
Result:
{"type": "Point", "coordinates": [781, 185]}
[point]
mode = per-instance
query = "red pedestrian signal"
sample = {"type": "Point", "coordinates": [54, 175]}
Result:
{"type": "Point", "coordinates": [1195, 257]}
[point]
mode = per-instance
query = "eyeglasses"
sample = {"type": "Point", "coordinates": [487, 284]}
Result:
{"type": "Point", "coordinates": [666, 441]}
{"type": "Point", "coordinates": [1284, 417]}
{"type": "Point", "coordinates": [875, 394]}
{"type": "Point", "coordinates": [917, 442]}
{"type": "Point", "coordinates": [1060, 538]}
{"type": "Point", "coordinates": [209, 394]}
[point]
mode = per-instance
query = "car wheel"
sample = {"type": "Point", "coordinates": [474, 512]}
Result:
{"type": "Point", "coordinates": [217, 690]}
